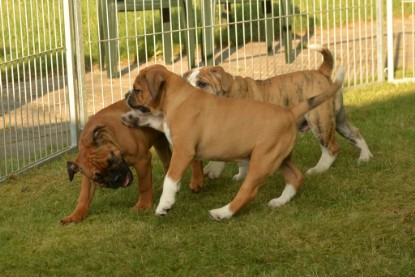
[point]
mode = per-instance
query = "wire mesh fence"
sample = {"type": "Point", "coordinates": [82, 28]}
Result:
{"type": "Point", "coordinates": [256, 38]}
{"type": "Point", "coordinates": [33, 109]}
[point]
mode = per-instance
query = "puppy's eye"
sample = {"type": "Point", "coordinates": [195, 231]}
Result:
{"type": "Point", "coordinates": [201, 84]}
{"type": "Point", "coordinates": [136, 90]}
{"type": "Point", "coordinates": [99, 178]}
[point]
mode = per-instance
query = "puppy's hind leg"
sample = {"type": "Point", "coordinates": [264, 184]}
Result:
{"type": "Point", "coordinates": [263, 163]}
{"type": "Point", "coordinates": [293, 180]}
{"type": "Point", "coordinates": [322, 124]}
{"type": "Point", "coordinates": [243, 170]}
{"type": "Point", "coordinates": [345, 128]}
{"type": "Point", "coordinates": [213, 169]}
{"type": "Point", "coordinates": [246, 193]}
{"type": "Point", "coordinates": [196, 183]}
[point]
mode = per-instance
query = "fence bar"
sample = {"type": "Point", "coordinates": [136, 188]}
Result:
{"type": "Point", "coordinates": [389, 19]}
{"type": "Point", "coordinates": [379, 39]}
{"type": "Point", "coordinates": [67, 8]}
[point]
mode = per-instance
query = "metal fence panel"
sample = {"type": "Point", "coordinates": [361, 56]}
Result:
{"type": "Point", "coordinates": [34, 110]}
{"type": "Point", "coordinates": [256, 38]}
{"type": "Point", "coordinates": [401, 37]}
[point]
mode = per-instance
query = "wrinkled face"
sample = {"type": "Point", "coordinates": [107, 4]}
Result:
{"type": "Point", "coordinates": [146, 92]}
{"type": "Point", "coordinates": [212, 79]}
{"type": "Point", "coordinates": [101, 162]}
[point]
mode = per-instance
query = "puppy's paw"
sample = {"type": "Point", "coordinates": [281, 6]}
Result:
{"type": "Point", "coordinates": [316, 170]}
{"type": "Point", "coordinates": [221, 213]}
{"type": "Point", "coordinates": [238, 177]}
{"type": "Point", "coordinates": [196, 186]}
{"type": "Point", "coordinates": [287, 194]}
{"type": "Point", "coordinates": [141, 206]}
{"type": "Point", "coordinates": [130, 120]}
{"type": "Point", "coordinates": [73, 218]}
{"type": "Point", "coordinates": [163, 209]}
{"type": "Point", "coordinates": [213, 170]}
{"type": "Point", "coordinates": [277, 202]}
{"type": "Point", "coordinates": [365, 156]}
{"type": "Point", "coordinates": [165, 205]}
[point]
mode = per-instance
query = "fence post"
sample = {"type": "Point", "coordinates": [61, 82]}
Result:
{"type": "Point", "coordinates": [70, 71]}
{"type": "Point", "coordinates": [389, 14]}
{"type": "Point", "coordinates": [379, 40]}
{"type": "Point", "coordinates": [80, 64]}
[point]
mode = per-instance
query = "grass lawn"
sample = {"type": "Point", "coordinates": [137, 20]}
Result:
{"type": "Point", "coordinates": [354, 220]}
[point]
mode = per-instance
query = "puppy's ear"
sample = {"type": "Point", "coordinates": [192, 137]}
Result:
{"type": "Point", "coordinates": [187, 74]}
{"type": "Point", "coordinates": [72, 168]}
{"type": "Point", "coordinates": [155, 80]}
{"type": "Point", "coordinates": [97, 135]}
{"type": "Point", "coordinates": [224, 77]}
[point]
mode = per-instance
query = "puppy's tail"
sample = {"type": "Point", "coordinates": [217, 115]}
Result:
{"type": "Point", "coordinates": [328, 62]}
{"type": "Point", "coordinates": [304, 107]}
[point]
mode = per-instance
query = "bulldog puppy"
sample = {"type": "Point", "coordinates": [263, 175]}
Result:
{"type": "Point", "coordinates": [202, 126]}
{"type": "Point", "coordinates": [288, 90]}
{"type": "Point", "coordinates": [107, 149]}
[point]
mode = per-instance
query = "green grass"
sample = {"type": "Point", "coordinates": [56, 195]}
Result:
{"type": "Point", "coordinates": [354, 220]}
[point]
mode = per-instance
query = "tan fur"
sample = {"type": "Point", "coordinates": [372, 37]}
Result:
{"type": "Point", "coordinates": [104, 135]}
{"type": "Point", "coordinates": [288, 90]}
{"type": "Point", "coordinates": [202, 126]}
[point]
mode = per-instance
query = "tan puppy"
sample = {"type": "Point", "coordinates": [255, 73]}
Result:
{"type": "Point", "coordinates": [106, 150]}
{"type": "Point", "coordinates": [288, 90]}
{"type": "Point", "coordinates": [201, 126]}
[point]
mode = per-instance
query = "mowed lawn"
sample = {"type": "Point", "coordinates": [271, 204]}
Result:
{"type": "Point", "coordinates": [354, 220]}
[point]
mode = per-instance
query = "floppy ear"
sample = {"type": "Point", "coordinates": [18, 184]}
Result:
{"type": "Point", "coordinates": [155, 80]}
{"type": "Point", "coordinates": [72, 168]}
{"type": "Point", "coordinates": [224, 78]}
{"type": "Point", "coordinates": [96, 135]}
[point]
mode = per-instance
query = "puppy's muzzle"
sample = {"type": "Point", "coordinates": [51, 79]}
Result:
{"type": "Point", "coordinates": [115, 177]}
{"type": "Point", "coordinates": [129, 96]}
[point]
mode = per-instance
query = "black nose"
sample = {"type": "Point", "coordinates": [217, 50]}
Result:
{"type": "Point", "coordinates": [117, 178]}
{"type": "Point", "coordinates": [128, 94]}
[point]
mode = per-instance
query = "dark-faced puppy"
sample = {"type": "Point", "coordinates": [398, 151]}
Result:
{"type": "Point", "coordinates": [201, 126]}
{"type": "Point", "coordinates": [106, 151]}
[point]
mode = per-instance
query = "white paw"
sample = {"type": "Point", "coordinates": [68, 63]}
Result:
{"type": "Point", "coordinates": [365, 156]}
{"type": "Point", "coordinates": [213, 170]}
{"type": "Point", "coordinates": [238, 177]}
{"type": "Point", "coordinates": [243, 170]}
{"type": "Point", "coordinates": [365, 153]}
{"type": "Point", "coordinates": [326, 160]}
{"type": "Point", "coordinates": [315, 170]}
{"type": "Point", "coordinates": [277, 202]}
{"type": "Point", "coordinates": [221, 213]}
{"type": "Point", "coordinates": [164, 206]}
{"type": "Point", "coordinates": [287, 194]}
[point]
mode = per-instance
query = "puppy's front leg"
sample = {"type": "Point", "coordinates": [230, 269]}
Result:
{"type": "Point", "coordinates": [168, 197]}
{"type": "Point", "coordinates": [84, 202]}
{"type": "Point", "coordinates": [180, 161]}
